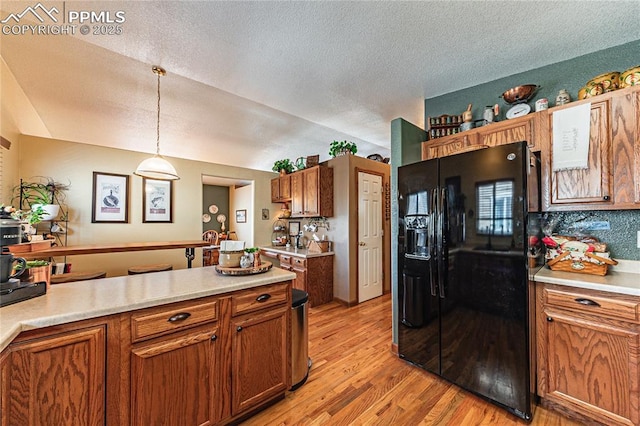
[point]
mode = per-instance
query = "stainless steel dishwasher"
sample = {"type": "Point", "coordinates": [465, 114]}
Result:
{"type": "Point", "coordinates": [300, 361]}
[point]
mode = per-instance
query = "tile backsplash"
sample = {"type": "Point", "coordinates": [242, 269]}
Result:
{"type": "Point", "coordinates": [621, 235]}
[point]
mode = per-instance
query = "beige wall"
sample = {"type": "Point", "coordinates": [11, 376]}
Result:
{"type": "Point", "coordinates": [75, 163]}
{"type": "Point", "coordinates": [344, 224]}
{"type": "Point", "coordinates": [242, 199]}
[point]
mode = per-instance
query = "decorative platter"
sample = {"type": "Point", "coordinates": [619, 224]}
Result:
{"type": "Point", "coordinates": [518, 110]}
{"type": "Point", "coordinates": [206, 218]}
{"type": "Point", "coordinates": [264, 267]}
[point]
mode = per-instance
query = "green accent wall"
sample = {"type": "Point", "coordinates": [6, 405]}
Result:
{"type": "Point", "coordinates": [218, 195]}
{"type": "Point", "coordinates": [570, 75]}
{"type": "Point", "coordinates": [406, 147]}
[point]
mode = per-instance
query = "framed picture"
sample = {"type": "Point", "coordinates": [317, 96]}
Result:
{"type": "Point", "coordinates": [157, 201]}
{"type": "Point", "coordinates": [294, 228]}
{"type": "Point", "coordinates": [241, 216]}
{"type": "Point", "coordinates": [110, 198]}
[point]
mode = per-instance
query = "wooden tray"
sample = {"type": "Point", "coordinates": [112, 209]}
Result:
{"type": "Point", "coordinates": [264, 267]}
{"type": "Point", "coordinates": [29, 247]}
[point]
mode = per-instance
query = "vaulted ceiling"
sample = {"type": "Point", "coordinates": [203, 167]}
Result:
{"type": "Point", "coordinates": [251, 82]}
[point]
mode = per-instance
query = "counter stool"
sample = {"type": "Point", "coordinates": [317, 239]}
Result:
{"type": "Point", "coordinates": [77, 276]}
{"type": "Point", "coordinates": [143, 269]}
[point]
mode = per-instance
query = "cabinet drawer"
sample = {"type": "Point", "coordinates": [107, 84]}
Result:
{"type": "Point", "coordinates": [164, 320]}
{"type": "Point", "coordinates": [258, 298]}
{"type": "Point", "coordinates": [285, 259]}
{"type": "Point", "coordinates": [299, 262]}
{"type": "Point", "coordinates": [612, 306]}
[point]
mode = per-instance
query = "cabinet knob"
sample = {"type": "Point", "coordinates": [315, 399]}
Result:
{"type": "Point", "coordinates": [606, 198]}
{"type": "Point", "coordinates": [179, 317]}
{"type": "Point", "coordinates": [214, 338]}
{"type": "Point", "coordinates": [239, 328]}
{"type": "Point", "coordinates": [549, 319]}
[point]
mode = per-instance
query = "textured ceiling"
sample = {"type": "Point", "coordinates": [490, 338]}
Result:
{"type": "Point", "coordinates": [252, 82]}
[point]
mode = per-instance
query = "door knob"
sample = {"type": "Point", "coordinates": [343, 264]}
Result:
{"type": "Point", "coordinates": [361, 244]}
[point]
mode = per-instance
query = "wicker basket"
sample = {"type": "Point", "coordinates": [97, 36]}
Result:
{"type": "Point", "coordinates": [584, 265]}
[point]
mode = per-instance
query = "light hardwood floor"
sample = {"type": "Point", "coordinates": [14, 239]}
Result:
{"type": "Point", "coordinates": [356, 379]}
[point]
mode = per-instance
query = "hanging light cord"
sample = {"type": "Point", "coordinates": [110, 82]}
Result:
{"type": "Point", "coordinates": [159, 71]}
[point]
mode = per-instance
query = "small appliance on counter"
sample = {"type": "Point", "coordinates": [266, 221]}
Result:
{"type": "Point", "coordinates": [12, 290]}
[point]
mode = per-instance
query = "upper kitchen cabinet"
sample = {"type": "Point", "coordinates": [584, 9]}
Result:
{"type": "Point", "coordinates": [494, 134]}
{"type": "Point", "coordinates": [612, 179]}
{"type": "Point", "coordinates": [312, 192]}
{"type": "Point", "coordinates": [281, 189]}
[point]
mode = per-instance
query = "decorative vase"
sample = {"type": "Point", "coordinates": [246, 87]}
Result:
{"type": "Point", "coordinates": [283, 172]}
{"type": "Point", "coordinates": [256, 259]}
{"type": "Point", "coordinates": [563, 97]}
{"type": "Point", "coordinates": [344, 151]}
{"type": "Point", "coordinates": [246, 261]}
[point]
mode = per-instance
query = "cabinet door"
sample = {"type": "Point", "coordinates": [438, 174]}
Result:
{"type": "Point", "coordinates": [297, 192]}
{"type": "Point", "coordinates": [260, 350]}
{"type": "Point", "coordinates": [285, 187]}
{"type": "Point", "coordinates": [311, 196]}
{"type": "Point", "coordinates": [591, 185]}
{"type": "Point", "coordinates": [173, 380]}
{"type": "Point", "coordinates": [590, 366]}
{"type": "Point", "coordinates": [509, 131]}
{"type": "Point", "coordinates": [58, 380]}
{"type": "Point", "coordinates": [275, 190]}
{"type": "Point", "coordinates": [301, 278]}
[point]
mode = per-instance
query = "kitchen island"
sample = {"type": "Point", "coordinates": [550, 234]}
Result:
{"type": "Point", "coordinates": [176, 347]}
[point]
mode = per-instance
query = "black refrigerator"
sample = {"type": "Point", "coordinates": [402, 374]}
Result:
{"type": "Point", "coordinates": [463, 293]}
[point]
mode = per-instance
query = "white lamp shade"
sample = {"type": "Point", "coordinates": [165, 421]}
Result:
{"type": "Point", "coordinates": [157, 167]}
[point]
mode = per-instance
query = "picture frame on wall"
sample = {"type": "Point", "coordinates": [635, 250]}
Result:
{"type": "Point", "coordinates": [110, 198]}
{"type": "Point", "coordinates": [241, 216]}
{"type": "Point", "coordinates": [157, 201]}
{"type": "Point", "coordinates": [294, 228]}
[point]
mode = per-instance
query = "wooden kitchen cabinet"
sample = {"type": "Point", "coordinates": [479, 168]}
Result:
{"type": "Point", "coordinates": [260, 362]}
{"type": "Point", "coordinates": [175, 369]}
{"type": "Point", "coordinates": [313, 275]}
{"type": "Point", "coordinates": [312, 192]}
{"type": "Point", "coordinates": [173, 379]}
{"type": "Point", "coordinates": [281, 189]}
{"type": "Point", "coordinates": [612, 179]}
{"type": "Point", "coordinates": [589, 353]}
{"type": "Point", "coordinates": [501, 133]}
{"type": "Point", "coordinates": [57, 377]}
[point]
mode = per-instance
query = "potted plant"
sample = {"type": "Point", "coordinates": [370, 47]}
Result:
{"type": "Point", "coordinates": [283, 166]}
{"type": "Point", "coordinates": [42, 198]}
{"type": "Point", "coordinates": [342, 148]}
{"type": "Point", "coordinates": [37, 271]}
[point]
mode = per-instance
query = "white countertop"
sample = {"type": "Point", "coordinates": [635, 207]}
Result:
{"type": "Point", "coordinates": [82, 300]}
{"type": "Point", "coordinates": [295, 251]}
{"type": "Point", "coordinates": [623, 278]}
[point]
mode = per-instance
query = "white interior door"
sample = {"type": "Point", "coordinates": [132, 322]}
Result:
{"type": "Point", "coordinates": [369, 236]}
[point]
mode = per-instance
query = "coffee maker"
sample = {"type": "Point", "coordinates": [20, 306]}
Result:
{"type": "Point", "coordinates": [12, 289]}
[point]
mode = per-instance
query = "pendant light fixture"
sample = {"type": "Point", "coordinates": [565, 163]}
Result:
{"type": "Point", "coordinates": [157, 167]}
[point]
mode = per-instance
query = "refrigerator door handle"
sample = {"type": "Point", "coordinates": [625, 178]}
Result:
{"type": "Point", "coordinates": [433, 277]}
{"type": "Point", "coordinates": [442, 273]}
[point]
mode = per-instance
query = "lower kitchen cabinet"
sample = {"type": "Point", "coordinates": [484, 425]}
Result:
{"type": "Point", "coordinates": [55, 379]}
{"type": "Point", "coordinates": [313, 275]}
{"type": "Point", "coordinates": [173, 379]}
{"type": "Point", "coordinates": [589, 354]}
{"type": "Point", "coordinates": [259, 370]}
